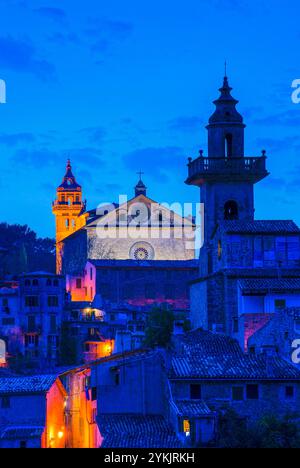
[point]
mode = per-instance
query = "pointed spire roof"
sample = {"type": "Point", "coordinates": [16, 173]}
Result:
{"type": "Point", "coordinates": [140, 188]}
{"type": "Point", "coordinates": [226, 106]}
{"type": "Point", "coordinates": [69, 182]}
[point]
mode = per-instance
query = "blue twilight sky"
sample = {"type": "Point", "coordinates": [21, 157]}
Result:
{"type": "Point", "coordinates": [127, 85]}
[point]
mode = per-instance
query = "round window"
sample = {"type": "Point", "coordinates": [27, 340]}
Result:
{"type": "Point", "coordinates": [141, 251]}
{"type": "Point", "coordinates": [141, 254]}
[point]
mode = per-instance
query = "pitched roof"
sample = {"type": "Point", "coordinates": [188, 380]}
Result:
{"type": "Point", "coordinates": [190, 408]}
{"type": "Point", "coordinates": [267, 284]}
{"type": "Point", "coordinates": [32, 384]}
{"type": "Point", "coordinates": [260, 227]}
{"type": "Point", "coordinates": [136, 431]}
{"type": "Point", "coordinates": [22, 432]}
{"type": "Point", "coordinates": [211, 356]}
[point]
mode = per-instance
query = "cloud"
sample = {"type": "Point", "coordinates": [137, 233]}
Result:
{"type": "Point", "coordinates": [36, 158]}
{"type": "Point", "coordinates": [43, 157]}
{"type": "Point", "coordinates": [56, 14]}
{"type": "Point", "coordinates": [20, 55]}
{"type": "Point", "coordinates": [277, 145]}
{"type": "Point", "coordinates": [88, 156]}
{"type": "Point", "coordinates": [63, 38]}
{"type": "Point", "coordinates": [157, 161]}
{"type": "Point", "coordinates": [102, 33]}
{"type": "Point", "coordinates": [13, 139]}
{"type": "Point", "coordinates": [94, 134]}
{"type": "Point", "coordinates": [290, 118]}
{"type": "Point", "coordinates": [185, 124]}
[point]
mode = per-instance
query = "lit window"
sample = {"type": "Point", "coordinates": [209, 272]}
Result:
{"type": "Point", "coordinates": [186, 427]}
{"type": "Point", "coordinates": [219, 250]}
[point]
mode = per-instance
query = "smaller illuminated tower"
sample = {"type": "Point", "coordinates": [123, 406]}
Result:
{"type": "Point", "coordinates": [68, 209]}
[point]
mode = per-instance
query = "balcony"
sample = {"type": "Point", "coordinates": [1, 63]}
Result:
{"type": "Point", "coordinates": [245, 169]}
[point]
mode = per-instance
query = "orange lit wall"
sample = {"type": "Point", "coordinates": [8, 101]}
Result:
{"type": "Point", "coordinates": [98, 350]}
{"type": "Point", "coordinates": [88, 285]}
{"type": "Point", "coordinates": [55, 432]}
{"type": "Point", "coordinates": [82, 427]}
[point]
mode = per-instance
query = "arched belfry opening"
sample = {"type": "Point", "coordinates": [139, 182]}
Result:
{"type": "Point", "coordinates": [231, 210]}
{"type": "Point", "coordinates": [228, 145]}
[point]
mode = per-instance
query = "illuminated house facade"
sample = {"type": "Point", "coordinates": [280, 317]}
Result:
{"type": "Point", "coordinates": [32, 412]}
{"type": "Point", "coordinates": [248, 268]}
{"type": "Point", "coordinates": [81, 410]}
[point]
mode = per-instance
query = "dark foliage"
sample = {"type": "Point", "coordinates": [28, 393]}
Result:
{"type": "Point", "coordinates": [268, 432]}
{"type": "Point", "coordinates": [159, 328]}
{"type": "Point", "coordinates": [22, 251]}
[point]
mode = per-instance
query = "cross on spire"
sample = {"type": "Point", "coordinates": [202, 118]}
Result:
{"type": "Point", "coordinates": [140, 173]}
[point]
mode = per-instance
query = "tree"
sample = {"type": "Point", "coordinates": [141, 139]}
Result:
{"type": "Point", "coordinates": [159, 328]}
{"type": "Point", "coordinates": [268, 432]}
{"type": "Point", "coordinates": [22, 251]}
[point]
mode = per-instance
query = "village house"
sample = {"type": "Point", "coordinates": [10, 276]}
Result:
{"type": "Point", "coordinates": [32, 412]}
{"type": "Point", "coordinates": [132, 399]}
{"type": "Point", "coordinates": [209, 374]}
{"type": "Point", "coordinates": [41, 314]}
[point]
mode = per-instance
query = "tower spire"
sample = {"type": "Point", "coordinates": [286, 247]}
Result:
{"type": "Point", "coordinates": [140, 188]}
{"type": "Point", "coordinates": [226, 126]}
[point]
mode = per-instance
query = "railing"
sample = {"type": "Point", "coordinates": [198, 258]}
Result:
{"type": "Point", "coordinates": [61, 203]}
{"type": "Point", "coordinates": [227, 166]}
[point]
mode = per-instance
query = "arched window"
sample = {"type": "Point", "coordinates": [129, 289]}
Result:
{"type": "Point", "coordinates": [228, 145]}
{"type": "Point", "coordinates": [63, 198]}
{"type": "Point", "coordinates": [27, 282]}
{"type": "Point", "coordinates": [160, 218]}
{"type": "Point", "coordinates": [67, 223]}
{"type": "Point", "coordinates": [231, 210]}
{"type": "Point", "coordinates": [35, 282]}
{"type": "Point", "coordinates": [73, 223]}
{"type": "Point", "coordinates": [70, 201]}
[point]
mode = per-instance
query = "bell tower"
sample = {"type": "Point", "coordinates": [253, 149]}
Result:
{"type": "Point", "coordinates": [68, 209]}
{"type": "Point", "coordinates": [226, 177]}
{"type": "Point", "coordinates": [226, 127]}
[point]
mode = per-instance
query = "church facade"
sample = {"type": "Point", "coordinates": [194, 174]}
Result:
{"type": "Point", "coordinates": [147, 248]}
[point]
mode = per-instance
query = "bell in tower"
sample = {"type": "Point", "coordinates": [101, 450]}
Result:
{"type": "Point", "coordinates": [226, 127]}
{"type": "Point", "coordinates": [226, 177]}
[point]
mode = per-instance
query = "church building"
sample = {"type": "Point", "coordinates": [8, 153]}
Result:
{"type": "Point", "coordinates": [139, 251]}
{"type": "Point", "coordinates": [249, 269]}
